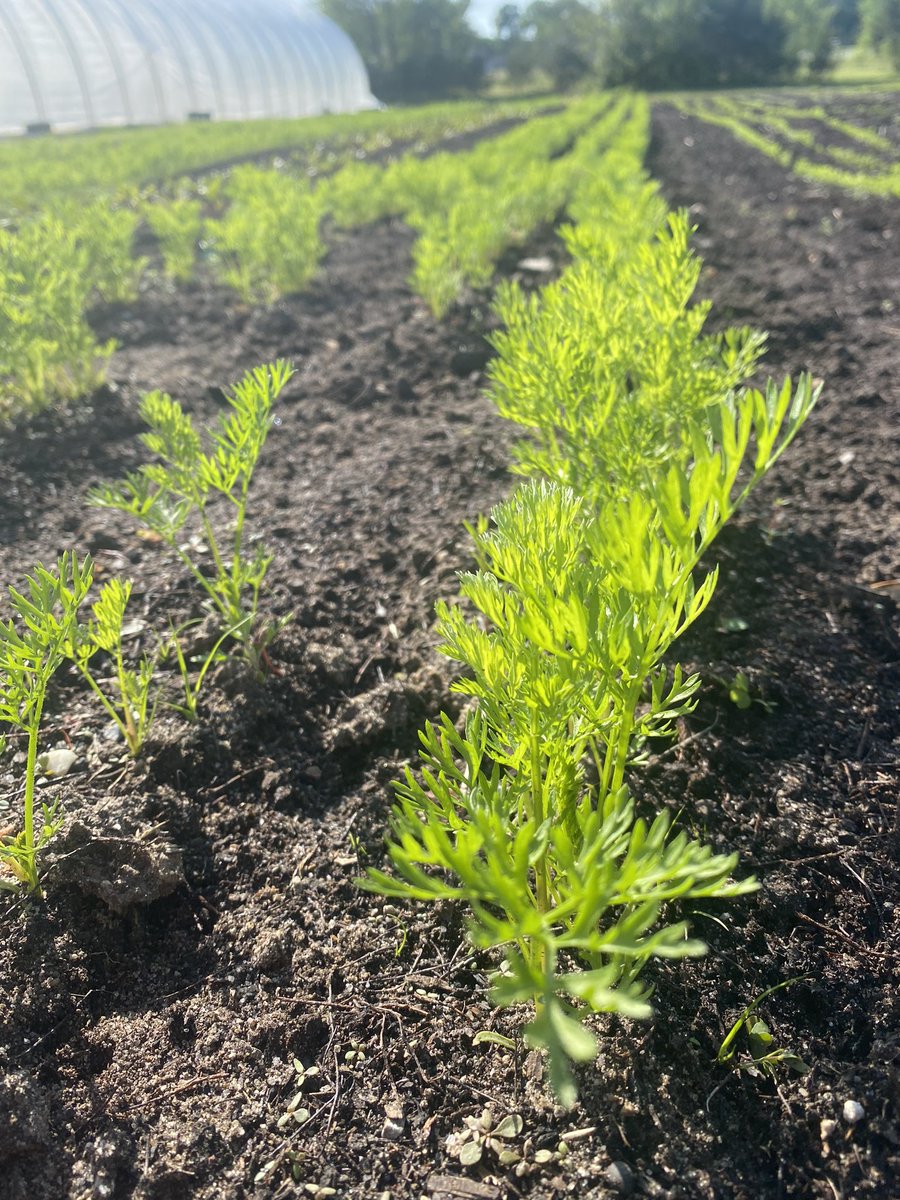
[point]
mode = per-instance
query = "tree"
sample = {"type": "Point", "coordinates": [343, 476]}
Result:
{"type": "Point", "coordinates": [846, 21]}
{"type": "Point", "coordinates": [691, 43]}
{"type": "Point", "coordinates": [880, 20]}
{"type": "Point", "coordinates": [555, 38]}
{"type": "Point", "coordinates": [809, 27]}
{"type": "Point", "coordinates": [413, 49]}
{"type": "Point", "coordinates": [508, 23]}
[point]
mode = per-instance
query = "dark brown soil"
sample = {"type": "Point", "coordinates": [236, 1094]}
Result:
{"type": "Point", "coordinates": [146, 1048]}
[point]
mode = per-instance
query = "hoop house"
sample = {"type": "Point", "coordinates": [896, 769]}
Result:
{"type": "Point", "coordinates": [70, 64]}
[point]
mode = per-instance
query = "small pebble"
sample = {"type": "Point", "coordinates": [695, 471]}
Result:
{"type": "Point", "coordinates": [620, 1176]}
{"type": "Point", "coordinates": [853, 1112]}
{"type": "Point", "coordinates": [57, 762]}
{"type": "Point", "coordinates": [394, 1123]}
{"type": "Point", "coordinates": [826, 1129]}
{"type": "Point", "coordinates": [536, 264]}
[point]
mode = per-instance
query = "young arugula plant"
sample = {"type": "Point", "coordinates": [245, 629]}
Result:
{"type": "Point", "coordinates": [182, 485]}
{"type": "Point", "coordinates": [136, 705]}
{"type": "Point", "coordinates": [29, 656]}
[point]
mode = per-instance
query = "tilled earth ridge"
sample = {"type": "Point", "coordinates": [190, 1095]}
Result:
{"type": "Point", "coordinates": [148, 1053]}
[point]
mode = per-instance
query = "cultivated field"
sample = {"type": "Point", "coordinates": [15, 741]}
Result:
{"type": "Point", "coordinates": [204, 1003]}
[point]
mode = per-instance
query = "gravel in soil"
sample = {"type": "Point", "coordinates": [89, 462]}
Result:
{"type": "Point", "coordinates": [149, 1025]}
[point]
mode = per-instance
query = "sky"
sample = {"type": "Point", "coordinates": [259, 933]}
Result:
{"type": "Point", "coordinates": [481, 14]}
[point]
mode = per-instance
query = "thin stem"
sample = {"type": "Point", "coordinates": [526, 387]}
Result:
{"type": "Point", "coordinates": [222, 573]}
{"type": "Point", "coordinates": [131, 732]}
{"type": "Point", "coordinates": [537, 813]}
{"type": "Point", "coordinates": [101, 696]}
{"type": "Point", "coordinates": [238, 537]}
{"type": "Point", "coordinates": [30, 770]}
{"type": "Point", "coordinates": [198, 575]}
{"type": "Point", "coordinates": [626, 729]}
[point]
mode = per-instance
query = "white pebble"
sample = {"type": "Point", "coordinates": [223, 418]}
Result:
{"type": "Point", "coordinates": [853, 1112]}
{"type": "Point", "coordinates": [57, 762]}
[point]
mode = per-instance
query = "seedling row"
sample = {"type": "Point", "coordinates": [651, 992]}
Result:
{"type": "Point", "coordinates": [642, 436]}
{"type": "Point", "coordinates": [802, 139]}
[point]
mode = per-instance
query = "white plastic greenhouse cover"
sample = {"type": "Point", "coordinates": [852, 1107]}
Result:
{"type": "Point", "coordinates": [74, 64]}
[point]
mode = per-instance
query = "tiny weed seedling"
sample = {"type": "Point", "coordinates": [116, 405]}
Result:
{"type": "Point", "coordinates": [296, 1112]}
{"type": "Point", "coordinates": [182, 484]}
{"type": "Point", "coordinates": [135, 705]}
{"type": "Point", "coordinates": [30, 653]}
{"type": "Point", "coordinates": [485, 1137]}
{"type": "Point", "coordinates": [740, 695]}
{"type": "Point", "coordinates": [295, 1116]}
{"type": "Point", "coordinates": [763, 1057]}
{"type": "Point", "coordinates": [484, 1133]}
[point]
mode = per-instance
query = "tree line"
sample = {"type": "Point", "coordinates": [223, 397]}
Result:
{"type": "Point", "coordinates": [426, 49]}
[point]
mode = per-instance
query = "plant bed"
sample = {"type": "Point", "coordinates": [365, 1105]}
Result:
{"type": "Point", "coordinates": [147, 1048]}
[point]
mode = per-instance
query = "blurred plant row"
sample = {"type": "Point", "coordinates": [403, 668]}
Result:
{"type": "Point", "coordinates": [263, 232]}
{"type": "Point", "coordinates": [36, 174]}
{"type": "Point", "coordinates": [258, 230]}
{"type": "Point", "coordinates": [801, 138]}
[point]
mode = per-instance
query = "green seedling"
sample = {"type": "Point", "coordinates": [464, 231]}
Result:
{"type": "Point", "coordinates": [134, 706]}
{"type": "Point", "coordinates": [296, 1112]}
{"type": "Point", "coordinates": [106, 234]}
{"type": "Point", "coordinates": [30, 654]}
{"type": "Point", "coordinates": [484, 1133]}
{"type": "Point", "coordinates": [763, 1057]}
{"type": "Point", "coordinates": [48, 352]}
{"type": "Point", "coordinates": [740, 695]}
{"type": "Point", "coordinates": [192, 687]}
{"type": "Point", "coordinates": [564, 666]}
{"type": "Point", "coordinates": [178, 225]}
{"type": "Point", "coordinates": [181, 486]}
{"type": "Point", "coordinates": [493, 1038]}
{"type": "Point", "coordinates": [267, 243]}
{"type": "Point", "coordinates": [294, 1117]}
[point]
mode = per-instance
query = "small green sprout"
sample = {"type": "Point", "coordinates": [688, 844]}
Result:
{"type": "Point", "coordinates": [764, 1057]}
{"type": "Point", "coordinates": [29, 656]}
{"type": "Point", "coordinates": [295, 1116]}
{"type": "Point", "coordinates": [739, 694]}
{"type": "Point", "coordinates": [296, 1112]}
{"type": "Point", "coordinates": [355, 1056]}
{"type": "Point", "coordinates": [481, 1134]}
{"type": "Point", "coordinates": [493, 1038]}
